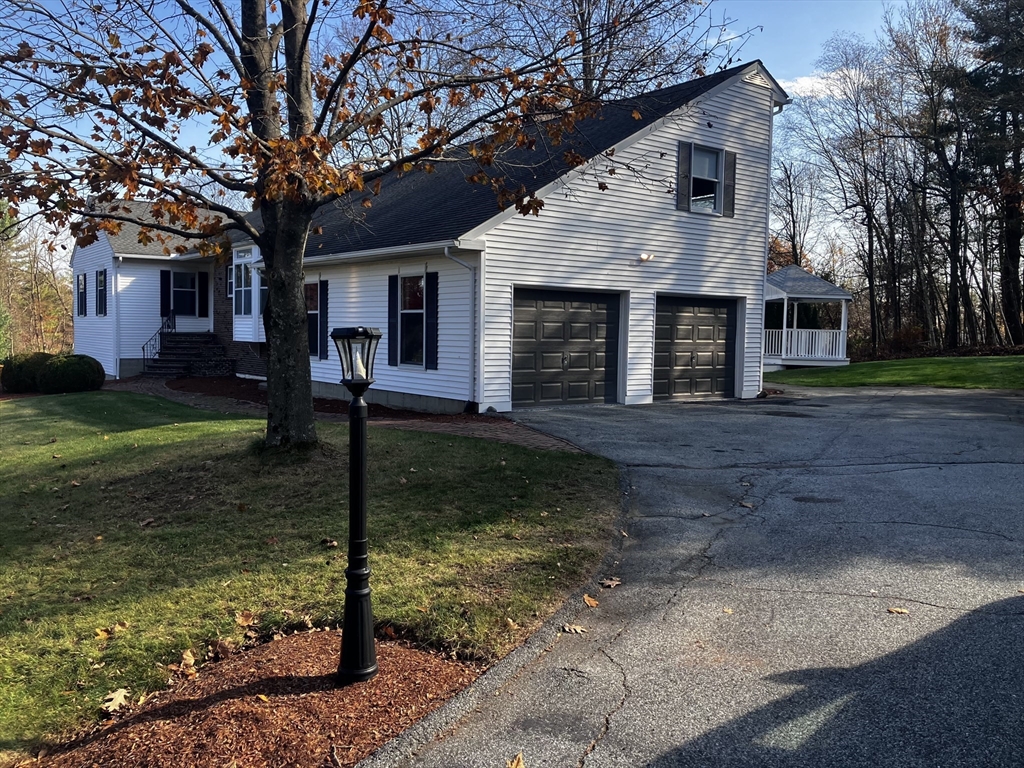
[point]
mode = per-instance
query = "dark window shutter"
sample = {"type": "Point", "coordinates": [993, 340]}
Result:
{"type": "Point", "coordinates": [392, 319]}
{"type": "Point", "coordinates": [203, 306]}
{"type": "Point", "coordinates": [85, 295]}
{"type": "Point", "coordinates": [323, 321]}
{"type": "Point", "coordinates": [430, 323]}
{"type": "Point", "coordinates": [165, 292]}
{"type": "Point", "coordinates": [729, 192]}
{"type": "Point", "coordinates": [683, 176]}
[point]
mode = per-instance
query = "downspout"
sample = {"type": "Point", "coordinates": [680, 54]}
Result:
{"type": "Point", "coordinates": [117, 261]}
{"type": "Point", "coordinates": [473, 324]}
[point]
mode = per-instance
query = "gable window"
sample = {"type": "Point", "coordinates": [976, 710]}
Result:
{"type": "Point", "coordinates": [412, 320]}
{"type": "Point", "coordinates": [82, 298]}
{"type": "Point", "coordinates": [101, 292]}
{"type": "Point", "coordinates": [183, 293]}
{"type": "Point", "coordinates": [706, 180]}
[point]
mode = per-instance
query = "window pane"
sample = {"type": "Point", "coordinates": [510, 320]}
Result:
{"type": "Point", "coordinates": [313, 331]}
{"type": "Point", "coordinates": [705, 163]}
{"type": "Point", "coordinates": [704, 194]}
{"type": "Point", "coordinates": [238, 302]}
{"type": "Point", "coordinates": [247, 301]}
{"type": "Point", "coordinates": [312, 291]}
{"type": "Point", "coordinates": [184, 302]}
{"type": "Point", "coordinates": [412, 338]}
{"type": "Point", "coordinates": [412, 292]}
{"type": "Point", "coordinates": [264, 292]}
{"type": "Point", "coordinates": [184, 280]}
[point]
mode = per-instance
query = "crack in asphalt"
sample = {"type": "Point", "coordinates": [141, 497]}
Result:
{"type": "Point", "coordinates": [908, 522]}
{"type": "Point", "coordinates": [876, 596]}
{"type": "Point", "coordinates": [611, 713]}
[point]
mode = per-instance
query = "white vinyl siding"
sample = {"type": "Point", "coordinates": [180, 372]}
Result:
{"type": "Point", "coordinates": [94, 335]}
{"type": "Point", "coordinates": [358, 295]}
{"type": "Point", "coordinates": [592, 240]}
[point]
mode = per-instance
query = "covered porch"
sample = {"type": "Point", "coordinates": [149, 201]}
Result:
{"type": "Point", "coordinates": [803, 297]}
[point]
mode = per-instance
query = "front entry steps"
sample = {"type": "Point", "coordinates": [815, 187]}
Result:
{"type": "Point", "coordinates": [189, 354]}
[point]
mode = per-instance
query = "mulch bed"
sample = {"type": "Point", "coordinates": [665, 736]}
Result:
{"type": "Point", "coordinates": [272, 706]}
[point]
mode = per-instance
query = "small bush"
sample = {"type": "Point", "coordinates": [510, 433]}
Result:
{"type": "Point", "coordinates": [71, 373]}
{"type": "Point", "coordinates": [21, 372]}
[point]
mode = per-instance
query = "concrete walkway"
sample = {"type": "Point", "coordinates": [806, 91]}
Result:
{"type": "Point", "coordinates": [828, 578]}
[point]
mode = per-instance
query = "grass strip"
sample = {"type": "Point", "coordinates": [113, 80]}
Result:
{"type": "Point", "coordinates": [133, 529]}
{"type": "Point", "coordinates": [949, 372]}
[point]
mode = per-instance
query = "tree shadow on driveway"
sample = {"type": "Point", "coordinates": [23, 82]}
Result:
{"type": "Point", "coordinates": [954, 698]}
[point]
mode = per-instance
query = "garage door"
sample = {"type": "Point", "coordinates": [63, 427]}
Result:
{"type": "Point", "coordinates": [564, 347]}
{"type": "Point", "coordinates": [694, 347]}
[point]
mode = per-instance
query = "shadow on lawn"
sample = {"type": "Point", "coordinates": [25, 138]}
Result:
{"type": "Point", "coordinates": [954, 698]}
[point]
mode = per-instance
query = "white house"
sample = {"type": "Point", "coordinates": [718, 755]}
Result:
{"type": "Point", "coordinates": [126, 290]}
{"type": "Point", "coordinates": [641, 279]}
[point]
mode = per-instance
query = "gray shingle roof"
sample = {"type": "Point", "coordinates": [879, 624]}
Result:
{"type": "Point", "coordinates": [799, 284]}
{"type": "Point", "coordinates": [127, 242]}
{"type": "Point", "coordinates": [420, 207]}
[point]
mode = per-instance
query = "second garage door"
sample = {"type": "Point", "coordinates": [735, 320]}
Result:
{"type": "Point", "coordinates": [564, 347]}
{"type": "Point", "coordinates": [694, 347]}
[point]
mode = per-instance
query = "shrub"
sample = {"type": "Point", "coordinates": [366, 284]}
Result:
{"type": "Point", "coordinates": [71, 373]}
{"type": "Point", "coordinates": [21, 372]}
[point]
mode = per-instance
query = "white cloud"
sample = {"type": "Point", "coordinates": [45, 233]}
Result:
{"type": "Point", "coordinates": [817, 84]}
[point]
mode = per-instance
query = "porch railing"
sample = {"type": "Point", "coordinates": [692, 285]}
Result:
{"type": "Point", "coordinates": [801, 343]}
{"type": "Point", "coordinates": [152, 347]}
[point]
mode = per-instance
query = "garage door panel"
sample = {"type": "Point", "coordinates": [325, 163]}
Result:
{"type": "Point", "coordinates": [574, 347]}
{"type": "Point", "coordinates": [694, 347]}
{"type": "Point", "coordinates": [524, 330]}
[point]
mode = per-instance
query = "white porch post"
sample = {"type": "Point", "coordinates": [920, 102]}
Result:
{"type": "Point", "coordinates": [843, 327]}
{"type": "Point", "coordinates": [785, 315]}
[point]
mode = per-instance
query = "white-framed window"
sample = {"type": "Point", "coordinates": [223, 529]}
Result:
{"type": "Point", "coordinates": [241, 282]}
{"type": "Point", "coordinates": [706, 180]}
{"type": "Point", "coordinates": [101, 292]}
{"type": "Point", "coordinates": [83, 307]}
{"type": "Point", "coordinates": [411, 320]}
{"type": "Point", "coordinates": [229, 280]}
{"type": "Point", "coordinates": [184, 293]}
{"type": "Point", "coordinates": [312, 294]}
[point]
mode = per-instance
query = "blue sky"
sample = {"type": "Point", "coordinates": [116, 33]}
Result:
{"type": "Point", "coordinates": [794, 30]}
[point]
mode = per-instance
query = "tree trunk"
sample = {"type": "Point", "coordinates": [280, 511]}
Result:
{"type": "Point", "coordinates": [289, 382]}
{"type": "Point", "coordinates": [1009, 264]}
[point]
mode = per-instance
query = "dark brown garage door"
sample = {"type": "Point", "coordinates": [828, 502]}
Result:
{"type": "Point", "coordinates": [564, 347]}
{"type": "Point", "coordinates": [694, 347]}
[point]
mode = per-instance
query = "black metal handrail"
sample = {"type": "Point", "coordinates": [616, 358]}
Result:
{"type": "Point", "coordinates": [152, 347]}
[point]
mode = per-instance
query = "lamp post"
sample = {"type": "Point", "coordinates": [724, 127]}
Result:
{"type": "Point", "coordinates": [357, 348]}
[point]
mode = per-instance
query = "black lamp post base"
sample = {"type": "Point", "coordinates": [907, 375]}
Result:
{"type": "Point", "coordinates": [346, 676]}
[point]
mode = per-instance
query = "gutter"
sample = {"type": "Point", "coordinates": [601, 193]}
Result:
{"type": "Point", "coordinates": [392, 252]}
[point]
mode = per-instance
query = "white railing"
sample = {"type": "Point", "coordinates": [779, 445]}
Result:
{"type": "Point", "coordinates": [799, 343]}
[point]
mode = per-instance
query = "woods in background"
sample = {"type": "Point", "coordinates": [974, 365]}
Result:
{"type": "Point", "coordinates": [900, 172]}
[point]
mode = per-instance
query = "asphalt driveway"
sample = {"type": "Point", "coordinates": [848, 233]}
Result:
{"type": "Point", "coordinates": [826, 578]}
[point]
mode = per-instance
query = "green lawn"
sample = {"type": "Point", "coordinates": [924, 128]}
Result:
{"type": "Point", "coordinates": [133, 529]}
{"type": "Point", "coordinates": [955, 372]}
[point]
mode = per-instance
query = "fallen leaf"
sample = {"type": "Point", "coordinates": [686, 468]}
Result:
{"type": "Point", "coordinates": [53, 439]}
{"type": "Point", "coordinates": [114, 700]}
{"type": "Point", "coordinates": [272, 540]}
{"type": "Point", "coordinates": [262, 697]}
{"type": "Point", "coordinates": [147, 521]}
{"type": "Point", "coordinates": [75, 484]}
{"type": "Point", "coordinates": [516, 762]}
{"type": "Point", "coordinates": [97, 538]}
{"type": "Point", "coordinates": [102, 634]}
{"type": "Point", "coordinates": [624, 534]}
{"type": "Point", "coordinates": [402, 481]}
{"type": "Point", "coordinates": [727, 610]}
{"type": "Point", "coordinates": [57, 456]}
{"type": "Point", "coordinates": [898, 610]}
{"type": "Point", "coordinates": [245, 618]}
{"type": "Point", "coordinates": [611, 583]}
{"type": "Point", "coordinates": [746, 504]}
{"type": "Point", "coordinates": [329, 543]}
{"type": "Point", "coordinates": [591, 602]}
{"type": "Point", "coordinates": [188, 659]}
{"type": "Point", "coordinates": [511, 624]}
{"type": "Point", "coordinates": [243, 507]}
{"type": "Point", "coordinates": [573, 629]}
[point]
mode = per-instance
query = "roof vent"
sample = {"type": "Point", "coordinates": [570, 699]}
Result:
{"type": "Point", "coordinates": [756, 78]}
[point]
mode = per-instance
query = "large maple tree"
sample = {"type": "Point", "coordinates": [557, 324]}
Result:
{"type": "Point", "coordinates": [211, 109]}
